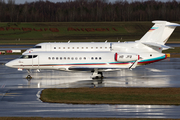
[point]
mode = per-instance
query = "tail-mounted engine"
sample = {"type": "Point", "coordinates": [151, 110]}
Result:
{"type": "Point", "coordinates": [126, 57]}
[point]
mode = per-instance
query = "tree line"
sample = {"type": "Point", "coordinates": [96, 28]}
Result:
{"type": "Point", "coordinates": [89, 11]}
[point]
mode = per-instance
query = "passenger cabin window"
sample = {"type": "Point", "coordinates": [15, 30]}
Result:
{"type": "Point", "coordinates": [60, 58]}
{"type": "Point", "coordinates": [37, 47]}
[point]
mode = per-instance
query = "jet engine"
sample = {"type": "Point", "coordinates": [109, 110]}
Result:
{"type": "Point", "coordinates": [126, 57]}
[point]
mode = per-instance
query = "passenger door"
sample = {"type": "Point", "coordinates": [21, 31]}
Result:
{"type": "Point", "coordinates": [35, 62]}
{"type": "Point", "coordinates": [48, 47]}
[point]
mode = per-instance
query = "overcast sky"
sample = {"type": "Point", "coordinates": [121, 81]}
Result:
{"type": "Point", "coordinates": [23, 1]}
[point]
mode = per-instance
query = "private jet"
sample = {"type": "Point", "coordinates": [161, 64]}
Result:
{"type": "Point", "coordinates": [98, 57]}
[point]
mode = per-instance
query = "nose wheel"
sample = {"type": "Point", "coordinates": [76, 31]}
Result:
{"type": "Point", "coordinates": [29, 75]}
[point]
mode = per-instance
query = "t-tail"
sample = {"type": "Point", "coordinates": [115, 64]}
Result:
{"type": "Point", "coordinates": [158, 35]}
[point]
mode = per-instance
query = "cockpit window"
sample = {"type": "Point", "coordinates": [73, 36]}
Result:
{"type": "Point", "coordinates": [27, 56]}
{"type": "Point", "coordinates": [37, 47]}
{"type": "Point", "coordinates": [34, 56]}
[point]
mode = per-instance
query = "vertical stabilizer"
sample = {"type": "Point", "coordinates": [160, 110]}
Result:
{"type": "Point", "coordinates": [159, 33]}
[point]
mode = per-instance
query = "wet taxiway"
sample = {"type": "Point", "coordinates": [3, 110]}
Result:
{"type": "Point", "coordinates": [25, 103]}
{"type": "Point", "coordinates": [19, 97]}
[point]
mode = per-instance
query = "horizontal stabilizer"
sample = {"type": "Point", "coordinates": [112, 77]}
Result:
{"type": "Point", "coordinates": [174, 25]}
{"type": "Point", "coordinates": [163, 47]}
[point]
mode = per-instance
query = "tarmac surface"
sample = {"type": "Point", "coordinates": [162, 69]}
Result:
{"type": "Point", "coordinates": [20, 97]}
{"type": "Point", "coordinates": [24, 103]}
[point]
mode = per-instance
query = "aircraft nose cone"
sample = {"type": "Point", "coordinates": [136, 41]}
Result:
{"type": "Point", "coordinates": [12, 64]}
{"type": "Point", "coordinates": [7, 64]}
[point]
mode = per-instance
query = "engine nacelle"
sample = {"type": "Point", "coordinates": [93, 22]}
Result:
{"type": "Point", "coordinates": [126, 57]}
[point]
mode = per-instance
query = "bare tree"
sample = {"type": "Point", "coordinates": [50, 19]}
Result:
{"type": "Point", "coordinates": [11, 5]}
{"type": "Point", "coordinates": [88, 10]}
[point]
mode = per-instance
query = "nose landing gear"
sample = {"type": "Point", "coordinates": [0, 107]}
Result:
{"type": "Point", "coordinates": [29, 75]}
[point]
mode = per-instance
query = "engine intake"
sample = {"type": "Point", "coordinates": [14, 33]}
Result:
{"type": "Point", "coordinates": [126, 57]}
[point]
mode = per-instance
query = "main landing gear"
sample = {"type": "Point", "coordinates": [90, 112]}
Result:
{"type": "Point", "coordinates": [96, 74]}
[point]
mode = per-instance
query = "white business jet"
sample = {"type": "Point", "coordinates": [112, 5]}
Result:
{"type": "Point", "coordinates": [98, 57]}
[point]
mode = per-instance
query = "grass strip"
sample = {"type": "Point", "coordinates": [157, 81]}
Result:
{"type": "Point", "coordinates": [174, 53]}
{"type": "Point", "coordinates": [102, 31]}
{"type": "Point", "coordinates": [174, 50]}
{"type": "Point", "coordinates": [141, 96]}
{"type": "Point", "coordinates": [40, 118]}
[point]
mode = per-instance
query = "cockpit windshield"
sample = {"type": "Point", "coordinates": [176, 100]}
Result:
{"type": "Point", "coordinates": [27, 56]}
{"type": "Point", "coordinates": [37, 47]}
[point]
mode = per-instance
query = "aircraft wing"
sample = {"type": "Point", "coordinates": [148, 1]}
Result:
{"type": "Point", "coordinates": [89, 68]}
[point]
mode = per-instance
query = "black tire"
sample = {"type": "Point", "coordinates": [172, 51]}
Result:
{"type": "Point", "coordinates": [29, 77]}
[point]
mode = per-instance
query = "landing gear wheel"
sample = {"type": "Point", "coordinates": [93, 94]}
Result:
{"type": "Point", "coordinates": [29, 77]}
{"type": "Point", "coordinates": [97, 75]}
{"type": "Point", "coordinates": [100, 74]}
